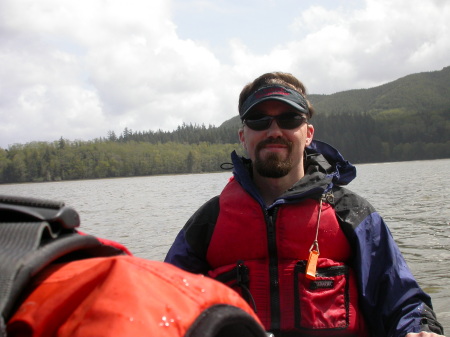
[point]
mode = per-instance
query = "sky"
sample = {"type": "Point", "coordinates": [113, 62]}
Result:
{"type": "Point", "coordinates": [81, 69]}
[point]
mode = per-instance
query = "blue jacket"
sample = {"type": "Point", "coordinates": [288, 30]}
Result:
{"type": "Point", "coordinates": [391, 301]}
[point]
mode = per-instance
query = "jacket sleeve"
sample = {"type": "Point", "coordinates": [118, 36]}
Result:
{"type": "Point", "coordinates": [391, 299]}
{"type": "Point", "coordinates": [189, 249]}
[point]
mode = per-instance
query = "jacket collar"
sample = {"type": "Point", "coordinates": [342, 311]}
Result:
{"type": "Point", "coordinates": [324, 167]}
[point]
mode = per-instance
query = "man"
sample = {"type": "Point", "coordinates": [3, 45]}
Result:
{"type": "Point", "coordinates": [311, 257]}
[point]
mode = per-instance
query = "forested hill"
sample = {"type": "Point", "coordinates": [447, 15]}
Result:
{"type": "Point", "coordinates": [422, 92]}
{"type": "Point", "coordinates": [418, 92]}
{"type": "Point", "coordinates": [407, 119]}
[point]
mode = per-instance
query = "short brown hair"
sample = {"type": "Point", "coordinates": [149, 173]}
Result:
{"type": "Point", "coordinates": [280, 78]}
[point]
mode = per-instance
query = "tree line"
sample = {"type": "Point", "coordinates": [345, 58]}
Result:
{"type": "Point", "coordinates": [387, 136]}
{"type": "Point", "coordinates": [64, 160]}
{"type": "Point", "coordinates": [395, 135]}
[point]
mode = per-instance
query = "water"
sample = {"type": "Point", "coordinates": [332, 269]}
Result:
{"type": "Point", "coordinates": [146, 213]}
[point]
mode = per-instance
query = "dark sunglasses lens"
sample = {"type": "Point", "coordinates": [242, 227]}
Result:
{"type": "Point", "coordinates": [290, 122]}
{"type": "Point", "coordinates": [287, 122]}
{"type": "Point", "coordinates": [259, 124]}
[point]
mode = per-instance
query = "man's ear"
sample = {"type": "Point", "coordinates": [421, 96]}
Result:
{"type": "Point", "coordinates": [242, 138]}
{"type": "Point", "coordinates": [309, 134]}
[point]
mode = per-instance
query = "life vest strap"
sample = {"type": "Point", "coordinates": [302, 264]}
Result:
{"type": "Point", "coordinates": [33, 234]}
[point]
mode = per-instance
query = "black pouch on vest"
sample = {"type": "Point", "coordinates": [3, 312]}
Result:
{"type": "Point", "coordinates": [237, 278]}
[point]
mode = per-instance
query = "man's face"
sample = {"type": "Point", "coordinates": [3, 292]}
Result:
{"type": "Point", "coordinates": [276, 152]}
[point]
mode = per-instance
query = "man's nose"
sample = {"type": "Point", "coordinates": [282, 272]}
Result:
{"type": "Point", "coordinates": [274, 130]}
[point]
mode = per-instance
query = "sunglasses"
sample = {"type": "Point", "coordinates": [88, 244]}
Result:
{"type": "Point", "coordinates": [285, 121]}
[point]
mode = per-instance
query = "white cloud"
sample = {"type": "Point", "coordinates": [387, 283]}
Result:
{"type": "Point", "coordinates": [81, 69]}
{"type": "Point", "coordinates": [354, 48]}
{"type": "Point", "coordinates": [78, 69]}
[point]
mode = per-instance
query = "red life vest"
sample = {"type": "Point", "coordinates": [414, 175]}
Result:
{"type": "Point", "coordinates": [128, 296]}
{"type": "Point", "coordinates": [249, 250]}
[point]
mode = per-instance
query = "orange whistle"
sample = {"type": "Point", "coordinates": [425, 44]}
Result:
{"type": "Point", "coordinates": [312, 265]}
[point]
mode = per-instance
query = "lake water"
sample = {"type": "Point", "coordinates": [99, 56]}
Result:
{"type": "Point", "coordinates": [146, 213]}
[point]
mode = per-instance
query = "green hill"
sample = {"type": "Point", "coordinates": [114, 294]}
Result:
{"type": "Point", "coordinates": [419, 92]}
{"type": "Point", "coordinates": [422, 92]}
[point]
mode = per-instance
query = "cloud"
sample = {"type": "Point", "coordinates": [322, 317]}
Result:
{"type": "Point", "coordinates": [346, 48]}
{"type": "Point", "coordinates": [79, 69]}
{"type": "Point", "coordinates": [384, 40]}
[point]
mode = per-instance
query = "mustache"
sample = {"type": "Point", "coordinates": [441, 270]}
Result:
{"type": "Point", "coordinates": [269, 141]}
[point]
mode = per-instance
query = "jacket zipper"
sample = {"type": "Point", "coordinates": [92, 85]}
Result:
{"type": "Point", "coordinates": [273, 269]}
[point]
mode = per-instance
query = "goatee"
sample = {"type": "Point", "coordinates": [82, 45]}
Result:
{"type": "Point", "coordinates": [273, 166]}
